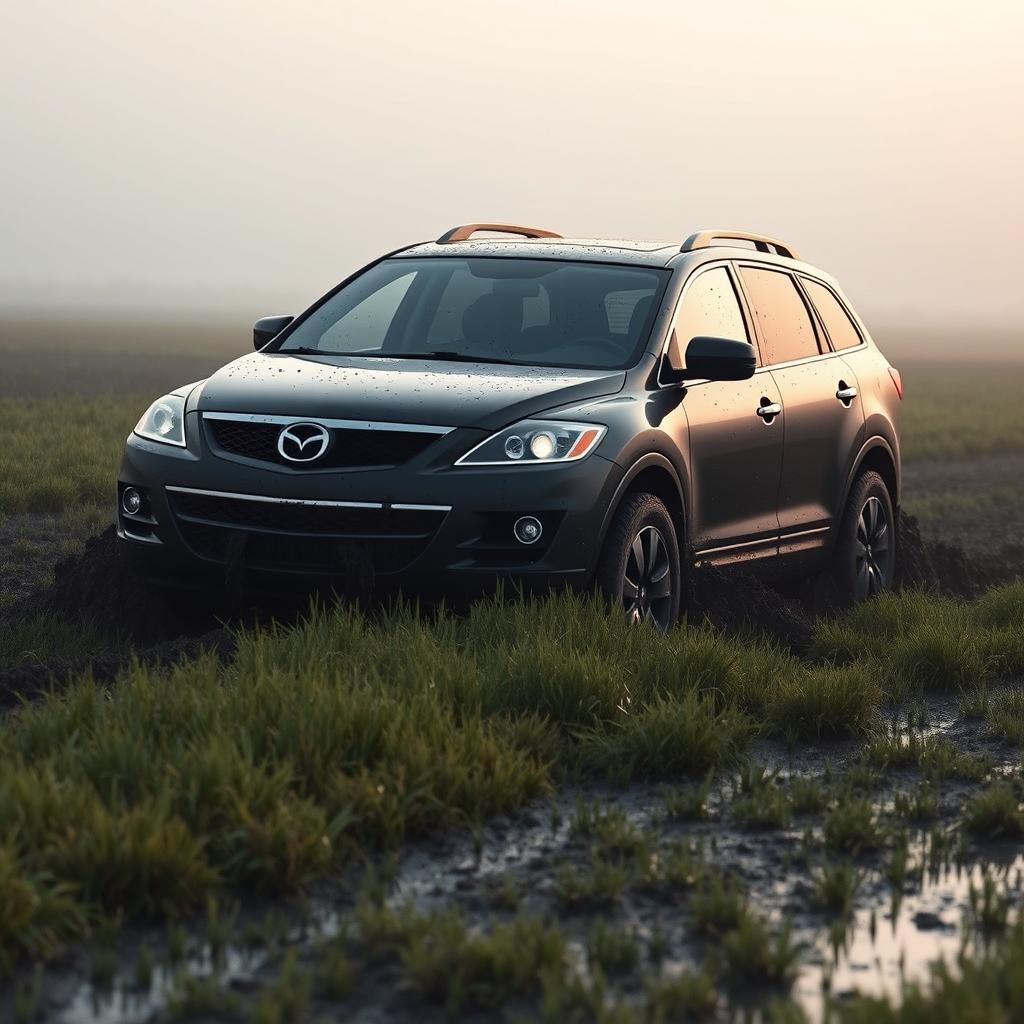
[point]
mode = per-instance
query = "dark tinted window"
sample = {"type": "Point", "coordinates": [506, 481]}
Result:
{"type": "Point", "coordinates": [782, 318]}
{"type": "Point", "coordinates": [841, 329]}
{"type": "Point", "coordinates": [710, 308]}
{"type": "Point", "coordinates": [533, 312]}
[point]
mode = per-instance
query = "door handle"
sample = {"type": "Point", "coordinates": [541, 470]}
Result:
{"type": "Point", "coordinates": [845, 394]}
{"type": "Point", "coordinates": [768, 410]}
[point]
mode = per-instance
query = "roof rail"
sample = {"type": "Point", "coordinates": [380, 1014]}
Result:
{"type": "Point", "coordinates": [706, 239]}
{"type": "Point", "coordinates": [466, 231]}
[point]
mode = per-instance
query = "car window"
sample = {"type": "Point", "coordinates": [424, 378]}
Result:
{"type": "Point", "coordinates": [365, 326]}
{"type": "Point", "coordinates": [619, 307]}
{"type": "Point", "coordinates": [461, 291]}
{"type": "Point", "coordinates": [782, 318]}
{"type": "Point", "coordinates": [841, 329]}
{"type": "Point", "coordinates": [710, 309]}
{"type": "Point", "coordinates": [531, 312]}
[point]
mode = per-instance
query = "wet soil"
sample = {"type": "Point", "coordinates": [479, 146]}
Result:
{"type": "Point", "coordinates": [975, 504]}
{"type": "Point", "coordinates": [890, 935]}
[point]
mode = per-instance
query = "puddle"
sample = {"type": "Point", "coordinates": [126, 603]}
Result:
{"type": "Point", "coordinates": [881, 948]}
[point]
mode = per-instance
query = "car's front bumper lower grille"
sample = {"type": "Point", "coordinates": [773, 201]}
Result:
{"type": "Point", "coordinates": [289, 534]}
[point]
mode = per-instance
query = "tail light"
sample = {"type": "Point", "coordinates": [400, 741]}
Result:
{"type": "Point", "coordinates": [897, 380]}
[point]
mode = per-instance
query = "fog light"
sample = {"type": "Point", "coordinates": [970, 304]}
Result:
{"type": "Point", "coordinates": [527, 530]}
{"type": "Point", "coordinates": [131, 501]}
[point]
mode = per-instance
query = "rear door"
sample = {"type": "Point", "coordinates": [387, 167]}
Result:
{"type": "Point", "coordinates": [821, 411]}
{"type": "Point", "coordinates": [735, 441]}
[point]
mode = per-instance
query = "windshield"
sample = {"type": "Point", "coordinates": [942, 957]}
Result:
{"type": "Point", "coordinates": [522, 311]}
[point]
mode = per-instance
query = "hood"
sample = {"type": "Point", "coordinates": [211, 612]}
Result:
{"type": "Point", "coordinates": [435, 392]}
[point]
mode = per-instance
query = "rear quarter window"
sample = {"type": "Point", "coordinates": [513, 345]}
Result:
{"type": "Point", "coordinates": [841, 329]}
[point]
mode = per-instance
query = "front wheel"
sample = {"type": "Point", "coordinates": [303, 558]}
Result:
{"type": "Point", "coordinates": [639, 566]}
{"type": "Point", "coordinates": [865, 556]}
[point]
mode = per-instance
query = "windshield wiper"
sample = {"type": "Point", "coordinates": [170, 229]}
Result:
{"type": "Point", "coordinates": [455, 357]}
{"type": "Point", "coordinates": [437, 354]}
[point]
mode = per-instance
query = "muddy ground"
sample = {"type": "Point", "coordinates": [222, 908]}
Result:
{"type": "Point", "coordinates": [893, 930]}
{"type": "Point", "coordinates": [527, 863]}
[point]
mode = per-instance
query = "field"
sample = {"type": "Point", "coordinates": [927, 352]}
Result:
{"type": "Point", "coordinates": [525, 812]}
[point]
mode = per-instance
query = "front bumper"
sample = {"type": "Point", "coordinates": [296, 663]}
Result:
{"type": "Point", "coordinates": [424, 523]}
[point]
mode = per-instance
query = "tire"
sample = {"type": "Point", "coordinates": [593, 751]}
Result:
{"type": "Point", "coordinates": [864, 562]}
{"type": "Point", "coordinates": [647, 588]}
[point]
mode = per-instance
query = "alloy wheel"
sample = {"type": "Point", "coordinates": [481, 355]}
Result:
{"type": "Point", "coordinates": [873, 549]}
{"type": "Point", "coordinates": [647, 581]}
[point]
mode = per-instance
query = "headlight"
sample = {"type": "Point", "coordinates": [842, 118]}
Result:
{"type": "Point", "coordinates": [535, 441]}
{"type": "Point", "coordinates": [164, 421]}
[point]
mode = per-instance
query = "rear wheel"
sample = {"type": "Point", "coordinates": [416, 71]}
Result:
{"type": "Point", "coordinates": [639, 566]}
{"type": "Point", "coordinates": [865, 557]}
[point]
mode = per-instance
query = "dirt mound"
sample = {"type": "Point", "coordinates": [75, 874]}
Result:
{"type": "Point", "coordinates": [98, 585]}
{"type": "Point", "coordinates": [28, 679]}
{"type": "Point", "coordinates": [734, 602]}
{"type": "Point", "coordinates": [947, 568]}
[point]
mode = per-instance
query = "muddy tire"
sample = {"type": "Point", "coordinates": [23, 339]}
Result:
{"type": "Point", "coordinates": [639, 566]}
{"type": "Point", "coordinates": [864, 562]}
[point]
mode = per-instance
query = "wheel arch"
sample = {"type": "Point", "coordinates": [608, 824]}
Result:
{"type": "Point", "coordinates": [876, 454]}
{"type": "Point", "coordinates": [655, 474]}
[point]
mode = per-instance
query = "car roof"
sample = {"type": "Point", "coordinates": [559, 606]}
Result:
{"type": "Point", "coordinates": [629, 251]}
{"type": "Point", "coordinates": [594, 250]}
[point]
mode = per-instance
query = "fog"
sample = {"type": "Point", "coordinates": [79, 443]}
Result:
{"type": "Point", "coordinates": [246, 155]}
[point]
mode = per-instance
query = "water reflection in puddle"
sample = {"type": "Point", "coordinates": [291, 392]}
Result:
{"type": "Point", "coordinates": [886, 945]}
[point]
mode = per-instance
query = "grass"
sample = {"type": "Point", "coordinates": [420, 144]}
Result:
{"type": "Point", "coordinates": [70, 464]}
{"type": "Point", "coordinates": [943, 506]}
{"type": "Point", "coordinates": [835, 887]}
{"type": "Point", "coordinates": [343, 735]}
{"type": "Point", "coordinates": [446, 964]}
{"type": "Point", "coordinates": [994, 423]}
{"type": "Point", "coordinates": [914, 641]}
{"type": "Point", "coordinates": [45, 637]}
{"type": "Point", "coordinates": [851, 827]}
{"type": "Point", "coordinates": [997, 812]}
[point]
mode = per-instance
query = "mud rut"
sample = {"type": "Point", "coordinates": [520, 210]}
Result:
{"type": "Point", "coordinates": [96, 586]}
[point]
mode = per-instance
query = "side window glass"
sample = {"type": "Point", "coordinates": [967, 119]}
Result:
{"type": "Point", "coordinates": [365, 326]}
{"type": "Point", "coordinates": [782, 318]}
{"type": "Point", "coordinates": [710, 308]}
{"type": "Point", "coordinates": [841, 329]}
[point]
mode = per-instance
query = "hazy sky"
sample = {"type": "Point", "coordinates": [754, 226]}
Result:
{"type": "Point", "coordinates": [249, 154]}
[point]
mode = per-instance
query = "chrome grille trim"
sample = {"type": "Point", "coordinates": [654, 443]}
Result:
{"type": "Point", "coordinates": [308, 502]}
{"type": "Point", "coordinates": [410, 428]}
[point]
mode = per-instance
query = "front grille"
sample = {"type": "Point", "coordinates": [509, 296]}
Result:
{"type": "Point", "coordinates": [349, 447]}
{"type": "Point", "coordinates": [302, 538]}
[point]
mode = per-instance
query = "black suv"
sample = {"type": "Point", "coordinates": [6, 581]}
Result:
{"type": "Point", "coordinates": [549, 409]}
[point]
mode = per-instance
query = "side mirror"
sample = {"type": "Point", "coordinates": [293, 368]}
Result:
{"type": "Point", "coordinates": [268, 328]}
{"type": "Point", "coordinates": [714, 359]}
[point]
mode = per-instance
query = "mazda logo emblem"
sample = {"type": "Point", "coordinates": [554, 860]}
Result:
{"type": "Point", "coordinates": [303, 442]}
